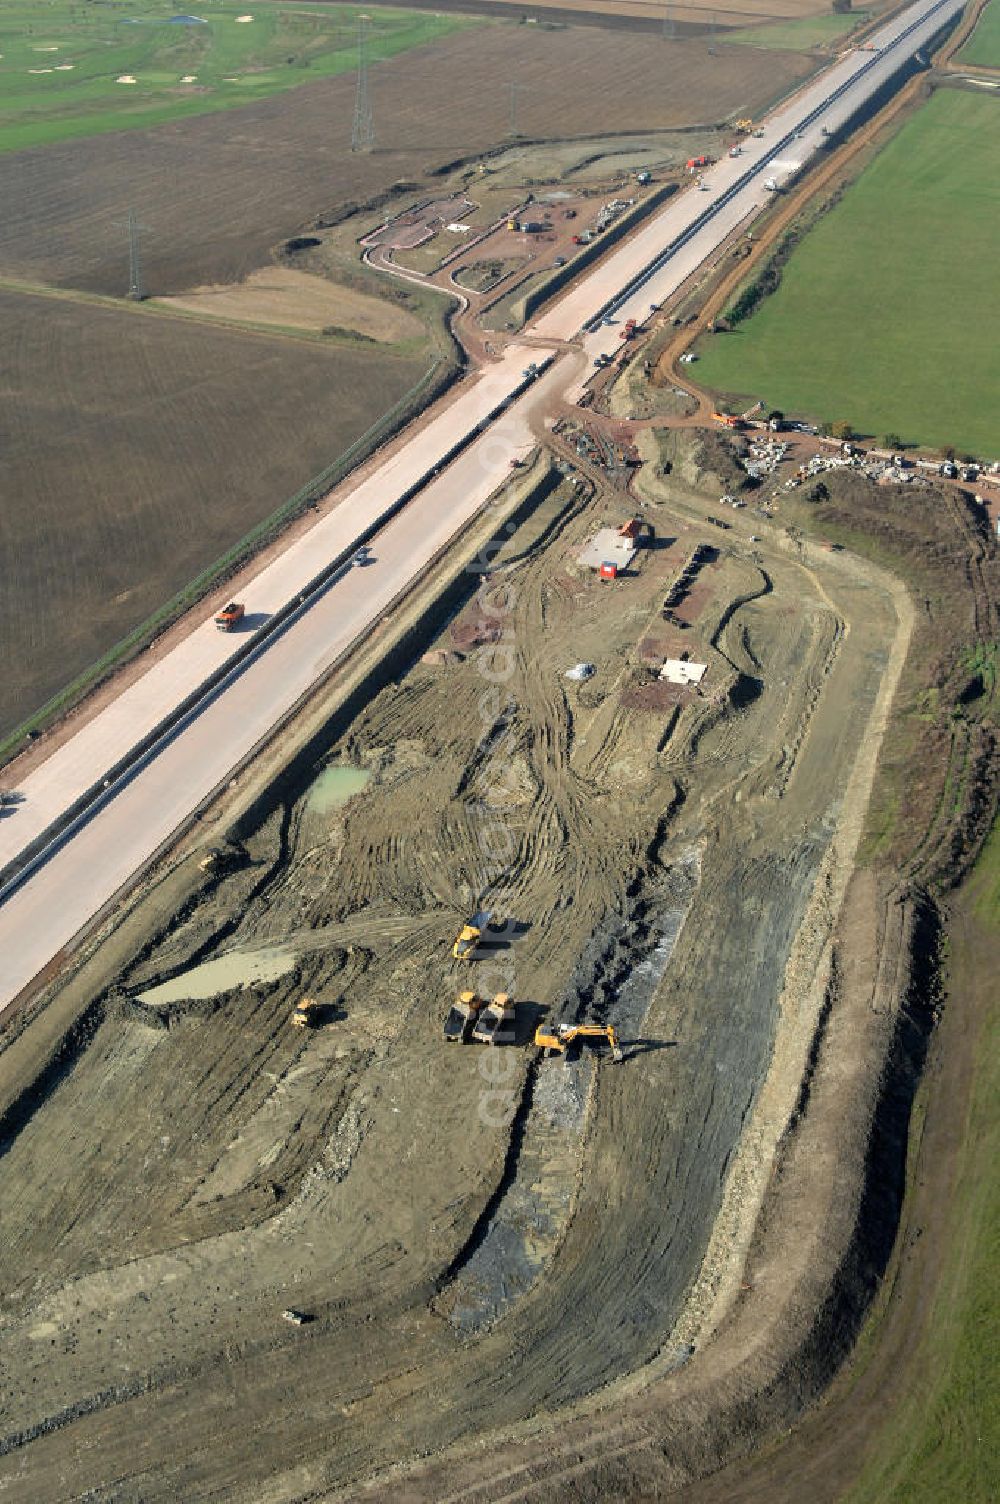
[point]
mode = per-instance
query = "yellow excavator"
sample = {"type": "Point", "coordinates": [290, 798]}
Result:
{"type": "Point", "coordinates": [558, 1040]}
{"type": "Point", "coordinates": [306, 1014]}
{"type": "Point", "coordinates": [467, 942]}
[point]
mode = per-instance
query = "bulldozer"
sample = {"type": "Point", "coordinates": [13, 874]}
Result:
{"type": "Point", "coordinates": [467, 941]}
{"type": "Point", "coordinates": [306, 1015]}
{"type": "Point", "coordinates": [462, 1016]}
{"type": "Point", "coordinates": [495, 1024]}
{"type": "Point", "coordinates": [558, 1040]}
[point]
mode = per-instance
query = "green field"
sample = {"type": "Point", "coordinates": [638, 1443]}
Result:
{"type": "Point", "coordinates": [794, 36]}
{"type": "Point", "coordinates": [62, 62]}
{"type": "Point", "coordinates": [983, 47]}
{"type": "Point", "coordinates": [942, 1442]}
{"type": "Point", "coordinates": [887, 315]}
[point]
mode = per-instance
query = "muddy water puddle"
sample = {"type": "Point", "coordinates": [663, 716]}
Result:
{"type": "Point", "coordinates": [335, 786]}
{"type": "Point", "coordinates": [234, 969]}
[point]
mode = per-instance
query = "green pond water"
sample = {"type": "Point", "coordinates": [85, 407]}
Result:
{"type": "Point", "coordinates": [334, 786]}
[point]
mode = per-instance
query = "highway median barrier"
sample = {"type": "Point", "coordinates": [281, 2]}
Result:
{"type": "Point", "coordinates": [99, 793]}
{"type": "Point", "coordinates": [434, 383]}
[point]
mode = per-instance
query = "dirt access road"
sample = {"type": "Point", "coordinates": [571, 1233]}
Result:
{"type": "Point", "coordinates": [458, 1265]}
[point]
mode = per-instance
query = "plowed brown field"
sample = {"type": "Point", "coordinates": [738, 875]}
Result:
{"type": "Point", "coordinates": [218, 192]}
{"type": "Point", "coordinates": [126, 465]}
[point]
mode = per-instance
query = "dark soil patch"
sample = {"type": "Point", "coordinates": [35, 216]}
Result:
{"type": "Point", "coordinates": [127, 466]}
{"type": "Point", "coordinates": [655, 697]}
{"type": "Point", "coordinates": [219, 191]}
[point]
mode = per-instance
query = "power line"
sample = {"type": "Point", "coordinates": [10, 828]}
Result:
{"type": "Point", "coordinates": [363, 131]}
{"type": "Point", "coordinates": [132, 228]}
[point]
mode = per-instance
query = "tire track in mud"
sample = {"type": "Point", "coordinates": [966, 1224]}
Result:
{"type": "Point", "coordinates": [618, 1256]}
{"type": "Point", "coordinates": [496, 1268]}
{"type": "Point", "coordinates": [522, 1226]}
{"type": "Point", "coordinates": [787, 879]}
{"type": "Point", "coordinates": [802, 1005]}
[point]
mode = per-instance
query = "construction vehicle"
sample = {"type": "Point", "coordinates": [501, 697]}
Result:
{"type": "Point", "coordinates": [629, 330]}
{"type": "Point", "coordinates": [230, 616]}
{"type": "Point", "coordinates": [306, 1015]}
{"type": "Point", "coordinates": [461, 1017]}
{"type": "Point", "coordinates": [468, 938]}
{"type": "Point", "coordinates": [744, 125]}
{"type": "Point", "coordinates": [558, 1040]}
{"type": "Point", "coordinates": [495, 1023]}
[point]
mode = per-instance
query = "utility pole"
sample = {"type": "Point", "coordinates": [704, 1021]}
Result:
{"type": "Point", "coordinates": [132, 227]}
{"type": "Point", "coordinates": [134, 266]}
{"type": "Point", "coordinates": [363, 132]}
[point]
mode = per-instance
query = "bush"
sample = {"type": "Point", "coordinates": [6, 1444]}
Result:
{"type": "Point", "coordinates": [841, 430]}
{"type": "Point", "coordinates": [891, 441]}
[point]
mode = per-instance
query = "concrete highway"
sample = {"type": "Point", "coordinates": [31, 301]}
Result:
{"type": "Point", "coordinates": [734, 187]}
{"type": "Point", "coordinates": [44, 913]}
{"type": "Point", "coordinates": [92, 861]}
{"type": "Point", "coordinates": [84, 760]}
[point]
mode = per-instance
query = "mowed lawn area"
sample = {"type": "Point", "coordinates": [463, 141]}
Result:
{"type": "Point", "coordinates": [74, 70]}
{"type": "Point", "coordinates": [983, 47]}
{"type": "Point", "coordinates": [888, 315]}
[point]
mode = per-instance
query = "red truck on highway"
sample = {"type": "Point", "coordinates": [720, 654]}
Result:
{"type": "Point", "coordinates": [230, 616]}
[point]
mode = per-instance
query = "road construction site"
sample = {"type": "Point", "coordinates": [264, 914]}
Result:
{"type": "Point", "coordinates": [278, 1219]}
{"type": "Point", "coordinates": [657, 259]}
{"type": "Point", "coordinates": [364, 1171]}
